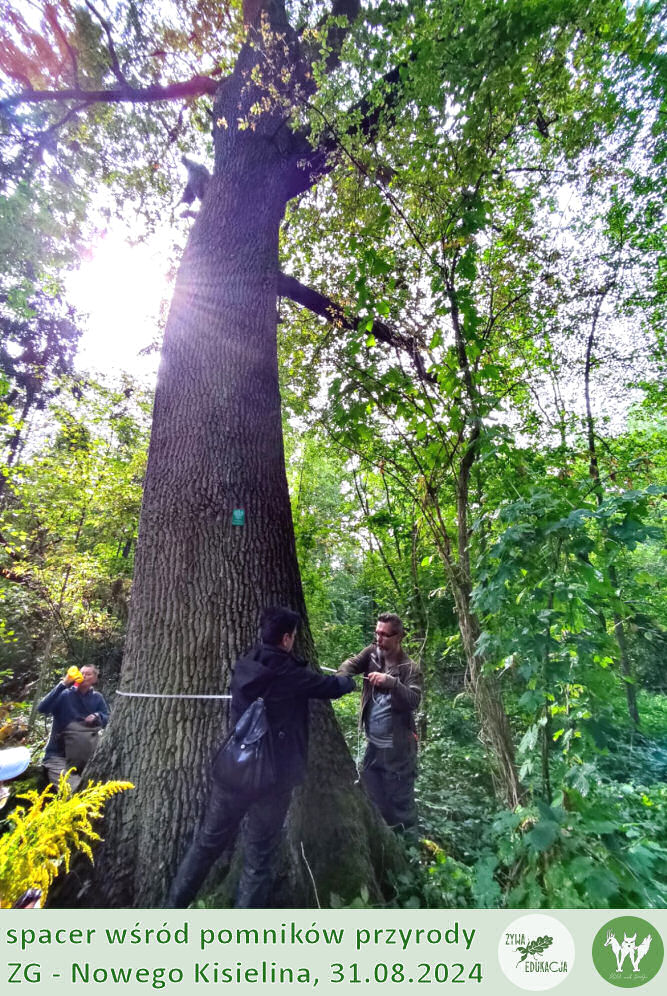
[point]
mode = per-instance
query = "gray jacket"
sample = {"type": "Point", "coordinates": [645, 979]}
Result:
{"type": "Point", "coordinates": [406, 692]}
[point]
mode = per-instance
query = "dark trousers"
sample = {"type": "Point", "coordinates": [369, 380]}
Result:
{"type": "Point", "coordinates": [388, 776]}
{"type": "Point", "coordinates": [265, 818]}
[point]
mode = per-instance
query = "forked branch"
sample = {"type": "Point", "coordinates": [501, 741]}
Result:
{"type": "Point", "coordinates": [323, 306]}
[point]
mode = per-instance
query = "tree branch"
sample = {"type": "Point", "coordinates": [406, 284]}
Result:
{"type": "Point", "coordinates": [41, 140]}
{"type": "Point", "coordinates": [320, 305]}
{"type": "Point", "coordinates": [313, 162]}
{"type": "Point", "coordinates": [52, 18]}
{"type": "Point", "coordinates": [115, 64]}
{"type": "Point", "coordinates": [365, 507]}
{"type": "Point", "coordinates": [336, 36]}
{"type": "Point", "coordinates": [370, 109]}
{"type": "Point", "coordinates": [195, 87]}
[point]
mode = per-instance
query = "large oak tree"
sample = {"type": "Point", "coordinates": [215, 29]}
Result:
{"type": "Point", "coordinates": [282, 92]}
{"type": "Point", "coordinates": [216, 446]}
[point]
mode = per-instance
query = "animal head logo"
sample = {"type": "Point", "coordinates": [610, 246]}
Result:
{"type": "Point", "coordinates": [628, 948]}
{"type": "Point", "coordinates": [628, 952]}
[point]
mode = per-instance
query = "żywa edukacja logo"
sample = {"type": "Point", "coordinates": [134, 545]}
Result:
{"type": "Point", "coordinates": [536, 952]}
{"type": "Point", "coordinates": [536, 948]}
{"type": "Point", "coordinates": [628, 951]}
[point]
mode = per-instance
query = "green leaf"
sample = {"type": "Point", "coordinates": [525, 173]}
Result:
{"type": "Point", "coordinates": [600, 886]}
{"type": "Point", "coordinates": [543, 835]}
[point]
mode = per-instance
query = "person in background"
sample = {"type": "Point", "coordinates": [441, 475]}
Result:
{"type": "Point", "coordinates": [79, 713]}
{"type": "Point", "coordinates": [391, 693]}
{"type": "Point", "coordinates": [13, 762]}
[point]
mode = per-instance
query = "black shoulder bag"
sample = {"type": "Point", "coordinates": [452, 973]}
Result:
{"type": "Point", "coordinates": [245, 763]}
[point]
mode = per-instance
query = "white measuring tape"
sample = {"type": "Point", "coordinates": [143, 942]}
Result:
{"type": "Point", "coordinates": [162, 695]}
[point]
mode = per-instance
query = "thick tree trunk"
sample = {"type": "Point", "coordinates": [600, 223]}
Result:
{"type": "Point", "coordinates": [494, 728]}
{"type": "Point", "coordinates": [495, 732]}
{"type": "Point", "coordinates": [200, 582]}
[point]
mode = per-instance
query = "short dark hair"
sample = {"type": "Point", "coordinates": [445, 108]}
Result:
{"type": "Point", "coordinates": [394, 621]}
{"type": "Point", "coordinates": [275, 622]}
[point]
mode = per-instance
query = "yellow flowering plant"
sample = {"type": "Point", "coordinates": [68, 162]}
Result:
{"type": "Point", "coordinates": [46, 832]}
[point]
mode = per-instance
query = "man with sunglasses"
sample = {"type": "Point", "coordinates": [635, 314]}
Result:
{"type": "Point", "coordinates": [391, 693]}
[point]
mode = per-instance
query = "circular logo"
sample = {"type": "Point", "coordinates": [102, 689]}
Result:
{"type": "Point", "coordinates": [536, 952]}
{"type": "Point", "coordinates": [628, 951]}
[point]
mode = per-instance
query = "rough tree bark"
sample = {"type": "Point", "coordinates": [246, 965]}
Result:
{"type": "Point", "coordinates": [495, 732]}
{"type": "Point", "coordinates": [200, 582]}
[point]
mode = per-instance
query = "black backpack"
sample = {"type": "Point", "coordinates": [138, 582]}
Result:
{"type": "Point", "coordinates": [245, 763]}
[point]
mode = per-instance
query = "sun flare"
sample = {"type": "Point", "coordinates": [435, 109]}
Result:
{"type": "Point", "coordinates": [119, 290]}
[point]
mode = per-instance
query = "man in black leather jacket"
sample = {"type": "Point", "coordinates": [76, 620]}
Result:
{"type": "Point", "coordinates": [285, 683]}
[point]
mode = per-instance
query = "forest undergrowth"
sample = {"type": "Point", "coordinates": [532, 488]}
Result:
{"type": "Point", "coordinates": [598, 844]}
